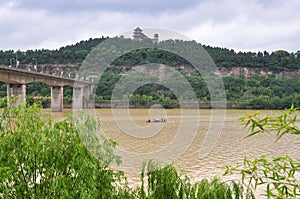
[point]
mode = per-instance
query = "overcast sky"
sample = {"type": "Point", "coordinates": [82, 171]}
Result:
{"type": "Point", "coordinates": [246, 25]}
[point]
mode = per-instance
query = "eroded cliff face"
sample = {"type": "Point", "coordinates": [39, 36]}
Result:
{"type": "Point", "coordinates": [158, 70]}
{"type": "Point", "coordinates": [251, 72]}
{"type": "Point", "coordinates": [161, 71]}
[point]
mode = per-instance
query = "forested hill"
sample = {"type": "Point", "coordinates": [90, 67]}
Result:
{"type": "Point", "coordinates": [69, 54]}
{"type": "Point", "coordinates": [224, 58]}
{"type": "Point", "coordinates": [242, 91]}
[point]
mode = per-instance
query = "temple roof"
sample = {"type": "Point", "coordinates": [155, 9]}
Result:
{"type": "Point", "coordinates": [138, 29]}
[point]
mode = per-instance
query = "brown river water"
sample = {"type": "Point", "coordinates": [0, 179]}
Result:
{"type": "Point", "coordinates": [165, 142]}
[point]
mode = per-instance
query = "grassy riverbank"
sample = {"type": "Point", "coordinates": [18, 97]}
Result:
{"type": "Point", "coordinates": [41, 158]}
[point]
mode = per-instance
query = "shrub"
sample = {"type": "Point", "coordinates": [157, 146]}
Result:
{"type": "Point", "coordinates": [167, 182]}
{"type": "Point", "coordinates": [40, 158]}
{"type": "Point", "coordinates": [277, 174]}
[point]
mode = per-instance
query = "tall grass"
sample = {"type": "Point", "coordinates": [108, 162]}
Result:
{"type": "Point", "coordinates": [168, 183]}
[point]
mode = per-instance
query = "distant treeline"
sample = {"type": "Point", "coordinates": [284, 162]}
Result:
{"type": "Point", "coordinates": [275, 61]}
{"type": "Point", "coordinates": [254, 93]}
{"type": "Point", "coordinates": [65, 55]}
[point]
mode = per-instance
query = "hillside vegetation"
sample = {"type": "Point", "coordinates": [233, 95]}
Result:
{"type": "Point", "coordinates": [256, 92]}
{"type": "Point", "coordinates": [279, 60]}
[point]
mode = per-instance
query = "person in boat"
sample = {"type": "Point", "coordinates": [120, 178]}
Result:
{"type": "Point", "coordinates": [156, 120]}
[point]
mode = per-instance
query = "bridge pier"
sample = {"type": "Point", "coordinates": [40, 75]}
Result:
{"type": "Point", "coordinates": [18, 90]}
{"type": "Point", "coordinates": [87, 103]}
{"type": "Point", "coordinates": [77, 98]}
{"type": "Point", "coordinates": [81, 97]}
{"type": "Point", "coordinates": [57, 93]}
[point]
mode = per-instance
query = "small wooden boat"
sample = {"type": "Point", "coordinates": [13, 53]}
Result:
{"type": "Point", "coordinates": [156, 120]}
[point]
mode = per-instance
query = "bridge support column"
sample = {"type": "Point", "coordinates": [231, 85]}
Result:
{"type": "Point", "coordinates": [57, 93]}
{"type": "Point", "coordinates": [78, 98]}
{"type": "Point", "coordinates": [87, 103]}
{"type": "Point", "coordinates": [81, 98]}
{"type": "Point", "coordinates": [18, 90]}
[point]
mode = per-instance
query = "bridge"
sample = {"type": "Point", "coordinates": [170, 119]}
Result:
{"type": "Point", "coordinates": [16, 80]}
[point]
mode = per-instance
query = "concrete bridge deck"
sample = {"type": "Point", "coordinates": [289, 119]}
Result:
{"type": "Point", "coordinates": [16, 80]}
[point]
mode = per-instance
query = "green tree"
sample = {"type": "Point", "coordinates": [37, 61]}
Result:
{"type": "Point", "coordinates": [40, 158]}
{"type": "Point", "coordinates": [278, 174]}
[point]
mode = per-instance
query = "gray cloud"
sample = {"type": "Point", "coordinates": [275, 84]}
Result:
{"type": "Point", "coordinates": [148, 6]}
{"type": "Point", "coordinates": [239, 24]}
{"type": "Point", "coordinates": [251, 25]}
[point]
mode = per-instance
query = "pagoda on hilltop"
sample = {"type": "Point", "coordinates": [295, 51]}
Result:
{"type": "Point", "coordinates": [138, 35]}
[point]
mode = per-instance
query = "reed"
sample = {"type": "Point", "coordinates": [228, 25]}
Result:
{"type": "Point", "coordinates": [167, 182]}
